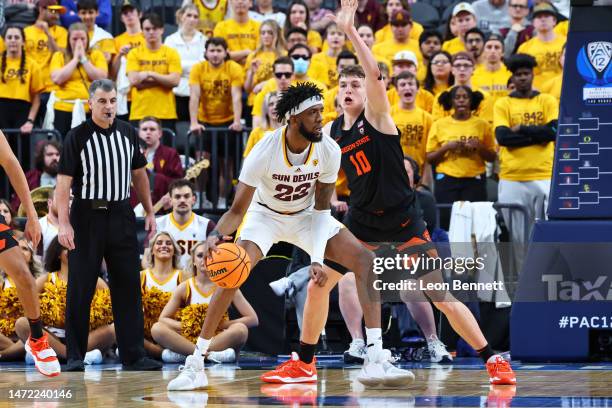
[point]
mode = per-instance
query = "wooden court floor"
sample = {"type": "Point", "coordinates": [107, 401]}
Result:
{"type": "Point", "coordinates": [231, 386]}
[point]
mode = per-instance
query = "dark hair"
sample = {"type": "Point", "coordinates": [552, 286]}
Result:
{"type": "Point", "coordinates": [150, 119]}
{"type": "Point", "coordinates": [293, 96]}
{"type": "Point", "coordinates": [430, 82]}
{"type": "Point", "coordinates": [53, 253]}
{"type": "Point", "coordinates": [416, 177]}
{"type": "Point", "coordinates": [8, 205]}
{"type": "Point", "coordinates": [405, 6]}
{"type": "Point", "coordinates": [405, 75]}
{"type": "Point", "coordinates": [518, 61]}
{"type": "Point", "coordinates": [296, 46]}
{"type": "Point", "coordinates": [106, 85]}
{"type": "Point", "coordinates": [288, 25]}
{"type": "Point", "coordinates": [39, 159]}
{"type": "Point", "coordinates": [295, 30]}
{"type": "Point", "coordinates": [154, 18]}
{"type": "Point", "coordinates": [495, 37]}
{"type": "Point", "coordinates": [23, 56]}
{"type": "Point", "coordinates": [352, 70]}
{"type": "Point", "coordinates": [346, 54]}
{"type": "Point", "coordinates": [382, 66]}
{"type": "Point", "coordinates": [87, 5]}
{"type": "Point", "coordinates": [429, 33]}
{"type": "Point", "coordinates": [180, 183]}
{"type": "Point", "coordinates": [446, 97]}
{"type": "Point", "coordinates": [283, 61]}
{"type": "Point", "coordinates": [475, 30]}
{"type": "Point", "coordinates": [217, 41]}
{"type": "Point", "coordinates": [462, 55]}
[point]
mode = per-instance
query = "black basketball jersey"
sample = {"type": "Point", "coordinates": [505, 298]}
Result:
{"type": "Point", "coordinates": [374, 166]}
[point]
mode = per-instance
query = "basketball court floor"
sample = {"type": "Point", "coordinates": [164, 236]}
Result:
{"type": "Point", "coordinates": [462, 384]}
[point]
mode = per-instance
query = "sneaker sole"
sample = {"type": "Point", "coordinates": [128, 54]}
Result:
{"type": "Point", "coordinates": [444, 360]}
{"type": "Point", "coordinates": [498, 381]}
{"type": "Point", "coordinates": [187, 389]}
{"type": "Point", "coordinates": [40, 370]}
{"type": "Point", "coordinates": [289, 380]}
{"type": "Point", "coordinates": [395, 382]}
{"type": "Point", "coordinates": [370, 381]}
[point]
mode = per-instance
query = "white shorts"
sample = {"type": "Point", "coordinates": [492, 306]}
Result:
{"type": "Point", "coordinates": [264, 227]}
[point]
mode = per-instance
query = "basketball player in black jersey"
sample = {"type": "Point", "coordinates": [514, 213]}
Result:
{"type": "Point", "coordinates": [383, 207]}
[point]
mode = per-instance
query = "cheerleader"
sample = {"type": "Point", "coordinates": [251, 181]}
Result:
{"type": "Point", "coordinates": [11, 347]}
{"type": "Point", "coordinates": [52, 287]}
{"type": "Point", "coordinates": [177, 329]}
{"type": "Point", "coordinates": [158, 282]}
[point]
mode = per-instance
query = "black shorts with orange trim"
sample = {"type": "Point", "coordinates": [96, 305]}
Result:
{"type": "Point", "coordinates": [7, 241]}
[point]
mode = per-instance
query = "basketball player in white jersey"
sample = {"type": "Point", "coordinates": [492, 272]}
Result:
{"type": "Point", "coordinates": [184, 226]}
{"type": "Point", "coordinates": [284, 194]}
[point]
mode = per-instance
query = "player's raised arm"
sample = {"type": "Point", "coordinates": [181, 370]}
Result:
{"type": "Point", "coordinates": [377, 101]}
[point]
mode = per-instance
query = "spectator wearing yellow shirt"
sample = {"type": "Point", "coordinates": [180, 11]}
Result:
{"type": "Point", "coordinates": [546, 46]}
{"type": "Point", "coordinates": [42, 39]}
{"type": "Point", "coordinates": [299, 16]}
{"type": "Point", "coordinates": [406, 61]}
{"type": "Point", "coordinates": [153, 69]}
{"type": "Point", "coordinates": [463, 19]}
{"type": "Point", "coordinates": [132, 37]}
{"type": "Point", "coordinates": [458, 146]}
{"type": "Point", "coordinates": [430, 42]}
{"type": "Point", "coordinates": [391, 7]}
{"type": "Point", "coordinates": [240, 32]}
{"type": "Point", "coordinates": [492, 76]}
{"type": "Point", "coordinates": [463, 70]}
{"type": "Point", "coordinates": [326, 60]}
{"type": "Point", "coordinates": [553, 85]}
{"type": "Point", "coordinates": [72, 71]}
{"type": "Point", "coordinates": [20, 84]}
{"type": "Point", "coordinates": [367, 35]}
{"type": "Point", "coordinates": [413, 122]}
{"type": "Point", "coordinates": [295, 36]}
{"type": "Point", "coordinates": [216, 101]}
{"type": "Point", "coordinates": [525, 128]}
{"type": "Point", "coordinates": [283, 76]}
{"type": "Point", "coordinates": [259, 63]}
{"type": "Point", "coordinates": [211, 13]}
{"type": "Point", "coordinates": [330, 105]}
{"type": "Point", "coordinates": [99, 39]}
{"type": "Point", "coordinates": [267, 122]}
{"type": "Point", "coordinates": [439, 75]}
{"type": "Point", "coordinates": [474, 43]}
{"type": "Point", "coordinates": [401, 24]}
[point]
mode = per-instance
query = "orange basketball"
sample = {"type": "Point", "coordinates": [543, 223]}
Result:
{"type": "Point", "coordinates": [229, 267]}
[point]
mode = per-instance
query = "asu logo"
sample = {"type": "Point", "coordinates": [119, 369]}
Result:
{"type": "Point", "coordinates": [315, 162]}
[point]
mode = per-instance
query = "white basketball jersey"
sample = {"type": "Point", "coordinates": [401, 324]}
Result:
{"type": "Point", "coordinates": [281, 185]}
{"type": "Point", "coordinates": [149, 281]}
{"type": "Point", "coordinates": [186, 236]}
{"type": "Point", "coordinates": [194, 296]}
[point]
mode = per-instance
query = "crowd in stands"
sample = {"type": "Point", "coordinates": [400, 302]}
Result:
{"type": "Point", "coordinates": [474, 93]}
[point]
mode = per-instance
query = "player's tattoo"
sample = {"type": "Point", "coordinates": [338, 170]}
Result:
{"type": "Point", "coordinates": [323, 195]}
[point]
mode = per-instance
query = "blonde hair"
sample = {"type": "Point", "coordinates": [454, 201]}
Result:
{"type": "Point", "coordinates": [76, 27]}
{"type": "Point", "coordinates": [265, 111]}
{"type": "Point", "coordinates": [177, 250]}
{"type": "Point", "coordinates": [35, 265]}
{"type": "Point", "coordinates": [180, 12]}
{"type": "Point", "coordinates": [193, 268]}
{"type": "Point", "coordinates": [279, 40]}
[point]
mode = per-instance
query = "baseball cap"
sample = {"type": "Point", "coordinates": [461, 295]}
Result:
{"type": "Point", "coordinates": [400, 17]}
{"type": "Point", "coordinates": [544, 8]}
{"type": "Point", "coordinates": [125, 4]}
{"type": "Point", "coordinates": [52, 5]}
{"type": "Point", "coordinates": [463, 6]}
{"type": "Point", "coordinates": [405, 56]}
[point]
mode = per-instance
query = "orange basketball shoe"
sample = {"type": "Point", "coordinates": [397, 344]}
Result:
{"type": "Point", "coordinates": [292, 371]}
{"type": "Point", "coordinates": [45, 358]}
{"type": "Point", "coordinates": [500, 372]}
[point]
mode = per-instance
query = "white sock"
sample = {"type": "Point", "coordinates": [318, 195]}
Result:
{"type": "Point", "coordinates": [374, 343]}
{"type": "Point", "coordinates": [201, 346]}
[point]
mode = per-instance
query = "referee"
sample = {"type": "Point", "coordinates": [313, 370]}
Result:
{"type": "Point", "coordinates": [100, 159]}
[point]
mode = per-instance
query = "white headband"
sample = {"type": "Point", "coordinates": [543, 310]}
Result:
{"type": "Point", "coordinates": [308, 103]}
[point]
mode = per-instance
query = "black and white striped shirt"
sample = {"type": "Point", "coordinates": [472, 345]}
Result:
{"type": "Point", "coordinates": [101, 161]}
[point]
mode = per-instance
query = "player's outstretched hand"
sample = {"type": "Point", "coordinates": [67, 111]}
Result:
{"type": "Point", "coordinates": [214, 239]}
{"type": "Point", "coordinates": [317, 274]}
{"type": "Point", "coordinates": [345, 19]}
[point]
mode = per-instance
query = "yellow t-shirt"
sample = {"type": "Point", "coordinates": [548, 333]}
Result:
{"type": "Point", "coordinates": [385, 33]}
{"type": "Point", "coordinates": [156, 101]}
{"type": "Point", "coordinates": [388, 49]}
{"type": "Point", "coordinates": [562, 28]}
{"type": "Point", "coordinates": [36, 48]}
{"type": "Point", "coordinates": [271, 86]}
{"type": "Point", "coordinates": [492, 82]}
{"type": "Point", "coordinates": [327, 73]}
{"type": "Point", "coordinates": [329, 110]}
{"type": "Point", "coordinates": [77, 86]}
{"type": "Point", "coordinates": [484, 111]}
{"type": "Point", "coordinates": [209, 17]}
{"type": "Point", "coordinates": [107, 46]}
{"type": "Point", "coordinates": [238, 36]}
{"type": "Point", "coordinates": [314, 40]}
{"type": "Point", "coordinates": [467, 162]}
{"type": "Point", "coordinates": [414, 126]}
{"type": "Point", "coordinates": [553, 87]}
{"type": "Point", "coordinates": [264, 72]}
{"type": "Point", "coordinates": [12, 86]}
{"type": "Point", "coordinates": [216, 89]}
{"type": "Point", "coordinates": [533, 162]}
{"type": "Point", "coordinates": [133, 40]}
{"type": "Point", "coordinates": [256, 135]}
{"type": "Point", "coordinates": [453, 46]}
{"type": "Point", "coordinates": [424, 98]}
{"type": "Point", "coordinates": [547, 55]}
{"type": "Point", "coordinates": [2, 46]}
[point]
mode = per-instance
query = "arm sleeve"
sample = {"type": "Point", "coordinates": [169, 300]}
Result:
{"type": "Point", "coordinates": [330, 173]}
{"type": "Point", "coordinates": [510, 43]}
{"type": "Point", "coordinates": [508, 138]}
{"type": "Point", "coordinates": [69, 158]}
{"type": "Point", "coordinates": [545, 133]}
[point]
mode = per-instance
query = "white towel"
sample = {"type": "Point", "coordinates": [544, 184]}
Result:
{"type": "Point", "coordinates": [78, 113]}
{"type": "Point", "coordinates": [123, 88]}
{"type": "Point", "coordinates": [98, 35]}
{"type": "Point", "coordinates": [50, 113]}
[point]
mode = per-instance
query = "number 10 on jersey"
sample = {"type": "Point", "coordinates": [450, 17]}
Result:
{"type": "Point", "coordinates": [361, 163]}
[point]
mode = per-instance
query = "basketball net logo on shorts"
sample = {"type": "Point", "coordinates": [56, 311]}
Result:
{"type": "Point", "coordinates": [593, 65]}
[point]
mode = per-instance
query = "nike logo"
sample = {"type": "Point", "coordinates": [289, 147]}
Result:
{"type": "Point", "coordinates": [306, 371]}
{"type": "Point", "coordinates": [403, 224]}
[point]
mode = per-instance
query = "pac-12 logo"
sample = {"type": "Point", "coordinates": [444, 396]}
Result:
{"type": "Point", "coordinates": [593, 62]}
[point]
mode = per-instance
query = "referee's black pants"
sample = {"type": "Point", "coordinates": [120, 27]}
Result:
{"type": "Point", "coordinates": [108, 234]}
